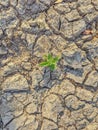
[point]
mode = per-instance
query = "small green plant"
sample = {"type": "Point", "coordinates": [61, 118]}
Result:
{"type": "Point", "coordinates": [50, 61]}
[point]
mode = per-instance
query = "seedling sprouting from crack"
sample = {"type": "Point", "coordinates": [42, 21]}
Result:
{"type": "Point", "coordinates": [50, 61]}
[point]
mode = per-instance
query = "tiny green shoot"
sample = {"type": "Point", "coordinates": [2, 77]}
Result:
{"type": "Point", "coordinates": [50, 61]}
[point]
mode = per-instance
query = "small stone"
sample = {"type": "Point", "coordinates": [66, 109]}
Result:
{"type": "Point", "coordinates": [92, 79]}
{"type": "Point", "coordinates": [41, 22]}
{"type": "Point", "coordinates": [77, 115]}
{"type": "Point", "coordinates": [8, 69]}
{"type": "Point", "coordinates": [62, 8]}
{"type": "Point", "coordinates": [91, 17]}
{"type": "Point", "coordinates": [66, 28]}
{"type": "Point", "coordinates": [15, 83]}
{"type": "Point", "coordinates": [92, 51]}
{"type": "Point", "coordinates": [78, 27]}
{"type": "Point", "coordinates": [59, 42]}
{"type": "Point", "coordinates": [3, 51]}
{"type": "Point", "coordinates": [48, 125]}
{"type": "Point", "coordinates": [72, 102]}
{"type": "Point", "coordinates": [26, 65]}
{"type": "Point", "coordinates": [85, 95]}
{"type": "Point", "coordinates": [85, 9]}
{"type": "Point", "coordinates": [82, 124]}
{"type": "Point", "coordinates": [89, 111]}
{"type": "Point", "coordinates": [72, 16]}
{"type": "Point", "coordinates": [72, 5]}
{"type": "Point", "coordinates": [42, 46]}
{"type": "Point", "coordinates": [30, 40]}
{"type": "Point", "coordinates": [36, 78]}
{"type": "Point", "coordinates": [46, 80]}
{"type": "Point", "coordinates": [87, 37]}
{"type": "Point", "coordinates": [53, 19]}
{"type": "Point", "coordinates": [35, 8]}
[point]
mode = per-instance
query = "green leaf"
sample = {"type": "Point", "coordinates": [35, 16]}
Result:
{"type": "Point", "coordinates": [50, 56]}
{"type": "Point", "coordinates": [56, 59]}
{"type": "Point", "coordinates": [50, 61]}
{"type": "Point", "coordinates": [52, 67]}
{"type": "Point", "coordinates": [44, 64]}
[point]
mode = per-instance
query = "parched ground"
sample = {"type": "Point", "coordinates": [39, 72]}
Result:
{"type": "Point", "coordinates": [33, 97]}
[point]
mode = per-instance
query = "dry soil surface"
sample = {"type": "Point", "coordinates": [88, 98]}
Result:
{"type": "Point", "coordinates": [33, 97]}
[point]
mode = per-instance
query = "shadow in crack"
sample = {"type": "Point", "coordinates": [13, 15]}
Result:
{"type": "Point", "coordinates": [73, 63]}
{"type": "Point", "coordinates": [5, 113]}
{"type": "Point", "coordinates": [76, 72]}
{"type": "Point", "coordinates": [50, 78]}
